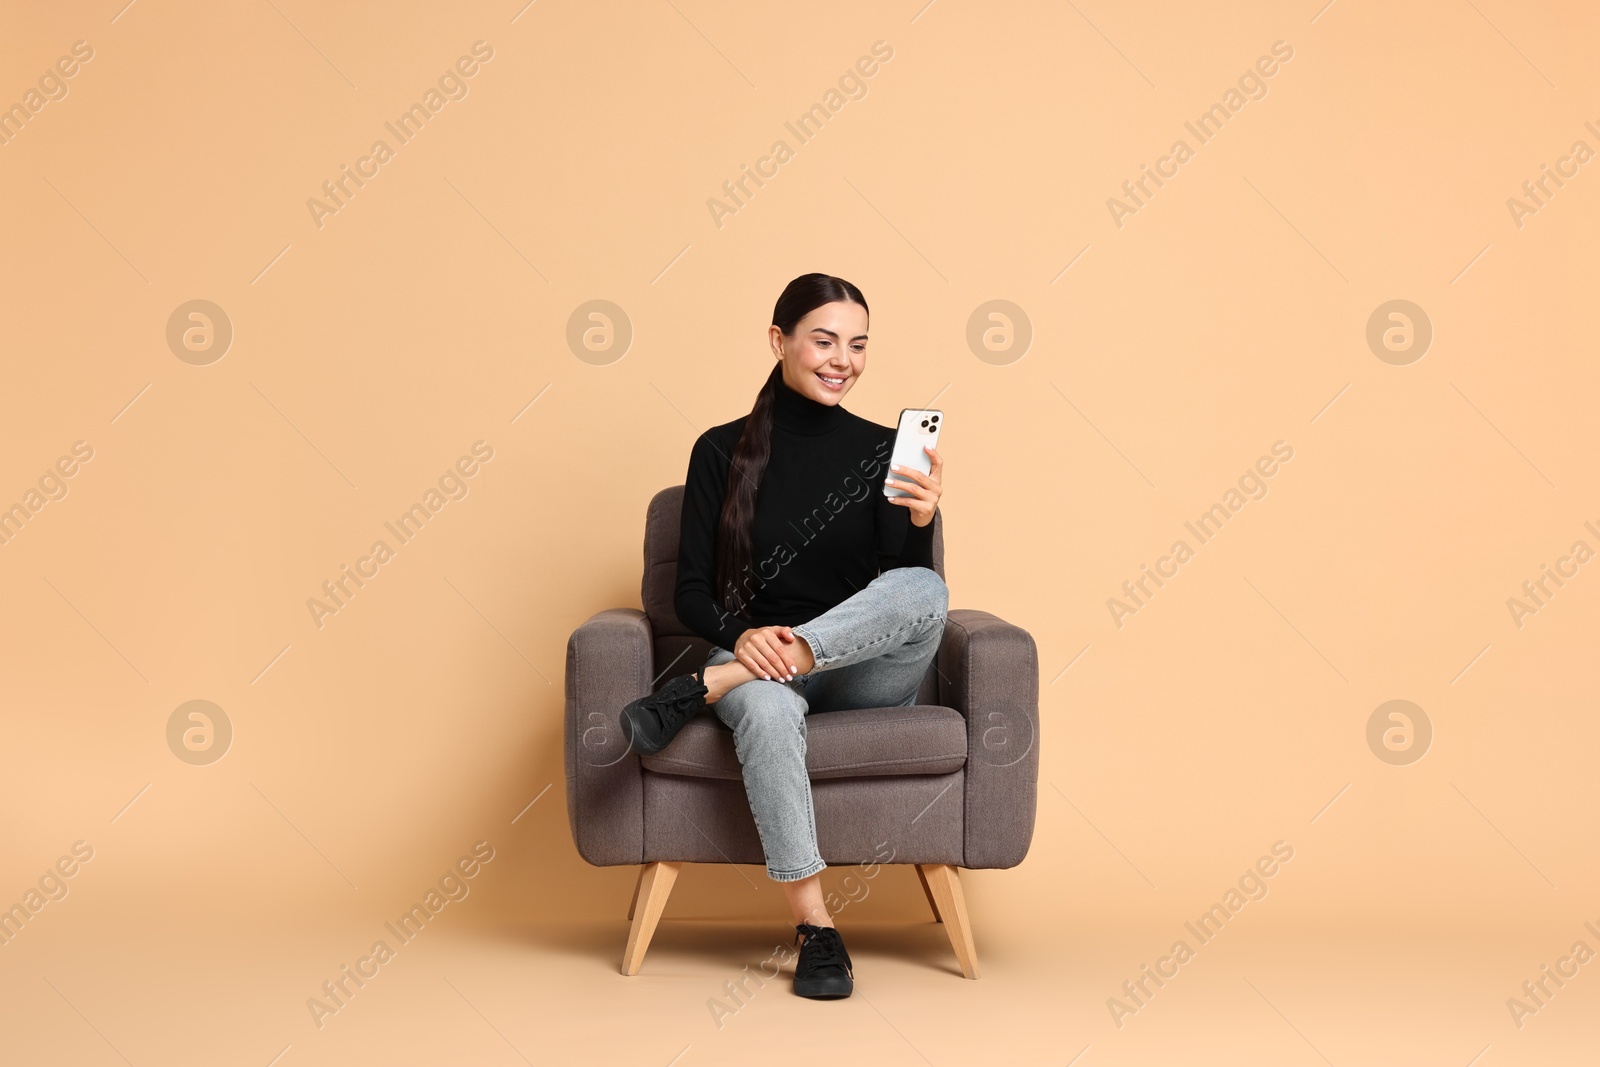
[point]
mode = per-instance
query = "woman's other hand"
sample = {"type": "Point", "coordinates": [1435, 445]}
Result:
{"type": "Point", "coordinates": [761, 651]}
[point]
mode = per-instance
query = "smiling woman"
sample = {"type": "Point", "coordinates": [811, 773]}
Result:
{"type": "Point", "coordinates": [846, 611]}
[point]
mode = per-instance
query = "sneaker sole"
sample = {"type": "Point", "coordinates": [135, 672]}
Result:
{"type": "Point", "coordinates": [824, 988]}
{"type": "Point", "coordinates": [637, 738]}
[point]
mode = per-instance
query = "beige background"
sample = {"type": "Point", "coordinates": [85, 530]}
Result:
{"type": "Point", "coordinates": [1167, 354]}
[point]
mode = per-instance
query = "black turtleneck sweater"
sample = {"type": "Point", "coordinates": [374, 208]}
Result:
{"type": "Point", "coordinates": [823, 528]}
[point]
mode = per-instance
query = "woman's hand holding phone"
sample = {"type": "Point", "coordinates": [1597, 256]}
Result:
{"type": "Point", "coordinates": [924, 488]}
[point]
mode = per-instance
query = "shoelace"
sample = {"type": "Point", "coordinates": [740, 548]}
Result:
{"type": "Point", "coordinates": [824, 944]}
{"type": "Point", "coordinates": [683, 701]}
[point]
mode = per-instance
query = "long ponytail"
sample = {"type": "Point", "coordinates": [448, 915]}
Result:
{"type": "Point", "coordinates": [799, 298]}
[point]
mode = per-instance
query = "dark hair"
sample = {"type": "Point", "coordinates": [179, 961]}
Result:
{"type": "Point", "coordinates": [799, 298]}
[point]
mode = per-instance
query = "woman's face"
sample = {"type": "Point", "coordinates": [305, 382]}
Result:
{"type": "Point", "coordinates": [827, 352]}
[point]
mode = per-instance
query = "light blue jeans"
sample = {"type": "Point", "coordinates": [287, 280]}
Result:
{"type": "Point", "coordinates": [871, 651]}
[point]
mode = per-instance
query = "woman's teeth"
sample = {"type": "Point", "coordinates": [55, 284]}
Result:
{"type": "Point", "coordinates": [832, 383]}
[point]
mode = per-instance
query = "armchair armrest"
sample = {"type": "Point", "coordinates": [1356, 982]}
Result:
{"type": "Point", "coordinates": [989, 672]}
{"type": "Point", "coordinates": [609, 660]}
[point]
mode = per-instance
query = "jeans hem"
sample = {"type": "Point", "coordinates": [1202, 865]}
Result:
{"type": "Point", "coordinates": [817, 652]}
{"type": "Point", "coordinates": [804, 872]}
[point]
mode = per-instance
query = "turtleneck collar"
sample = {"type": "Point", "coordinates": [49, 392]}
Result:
{"type": "Point", "coordinates": [800, 414]}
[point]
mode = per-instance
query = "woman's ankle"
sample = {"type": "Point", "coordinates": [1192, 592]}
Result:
{"type": "Point", "coordinates": [724, 678]}
{"type": "Point", "coordinates": [816, 917]}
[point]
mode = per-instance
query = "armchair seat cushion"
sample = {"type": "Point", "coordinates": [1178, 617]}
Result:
{"type": "Point", "coordinates": [864, 742]}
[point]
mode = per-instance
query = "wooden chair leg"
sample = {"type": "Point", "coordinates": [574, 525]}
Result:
{"type": "Point", "coordinates": [934, 904]}
{"type": "Point", "coordinates": [635, 901]}
{"type": "Point", "coordinates": [946, 886]}
{"type": "Point", "coordinates": [655, 885]}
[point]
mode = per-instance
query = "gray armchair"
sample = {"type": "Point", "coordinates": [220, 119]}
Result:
{"type": "Point", "coordinates": [950, 781]}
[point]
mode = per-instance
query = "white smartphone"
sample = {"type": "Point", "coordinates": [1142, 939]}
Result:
{"type": "Point", "coordinates": [918, 427]}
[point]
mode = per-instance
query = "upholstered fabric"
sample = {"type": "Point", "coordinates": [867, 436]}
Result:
{"type": "Point", "coordinates": [703, 820]}
{"type": "Point", "coordinates": [839, 744]}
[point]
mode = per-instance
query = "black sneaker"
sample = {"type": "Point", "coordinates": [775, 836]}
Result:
{"type": "Point", "coordinates": [823, 970]}
{"type": "Point", "coordinates": [651, 721]}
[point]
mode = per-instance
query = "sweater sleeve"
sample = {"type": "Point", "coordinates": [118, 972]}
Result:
{"type": "Point", "coordinates": [901, 542]}
{"type": "Point", "coordinates": [694, 599]}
